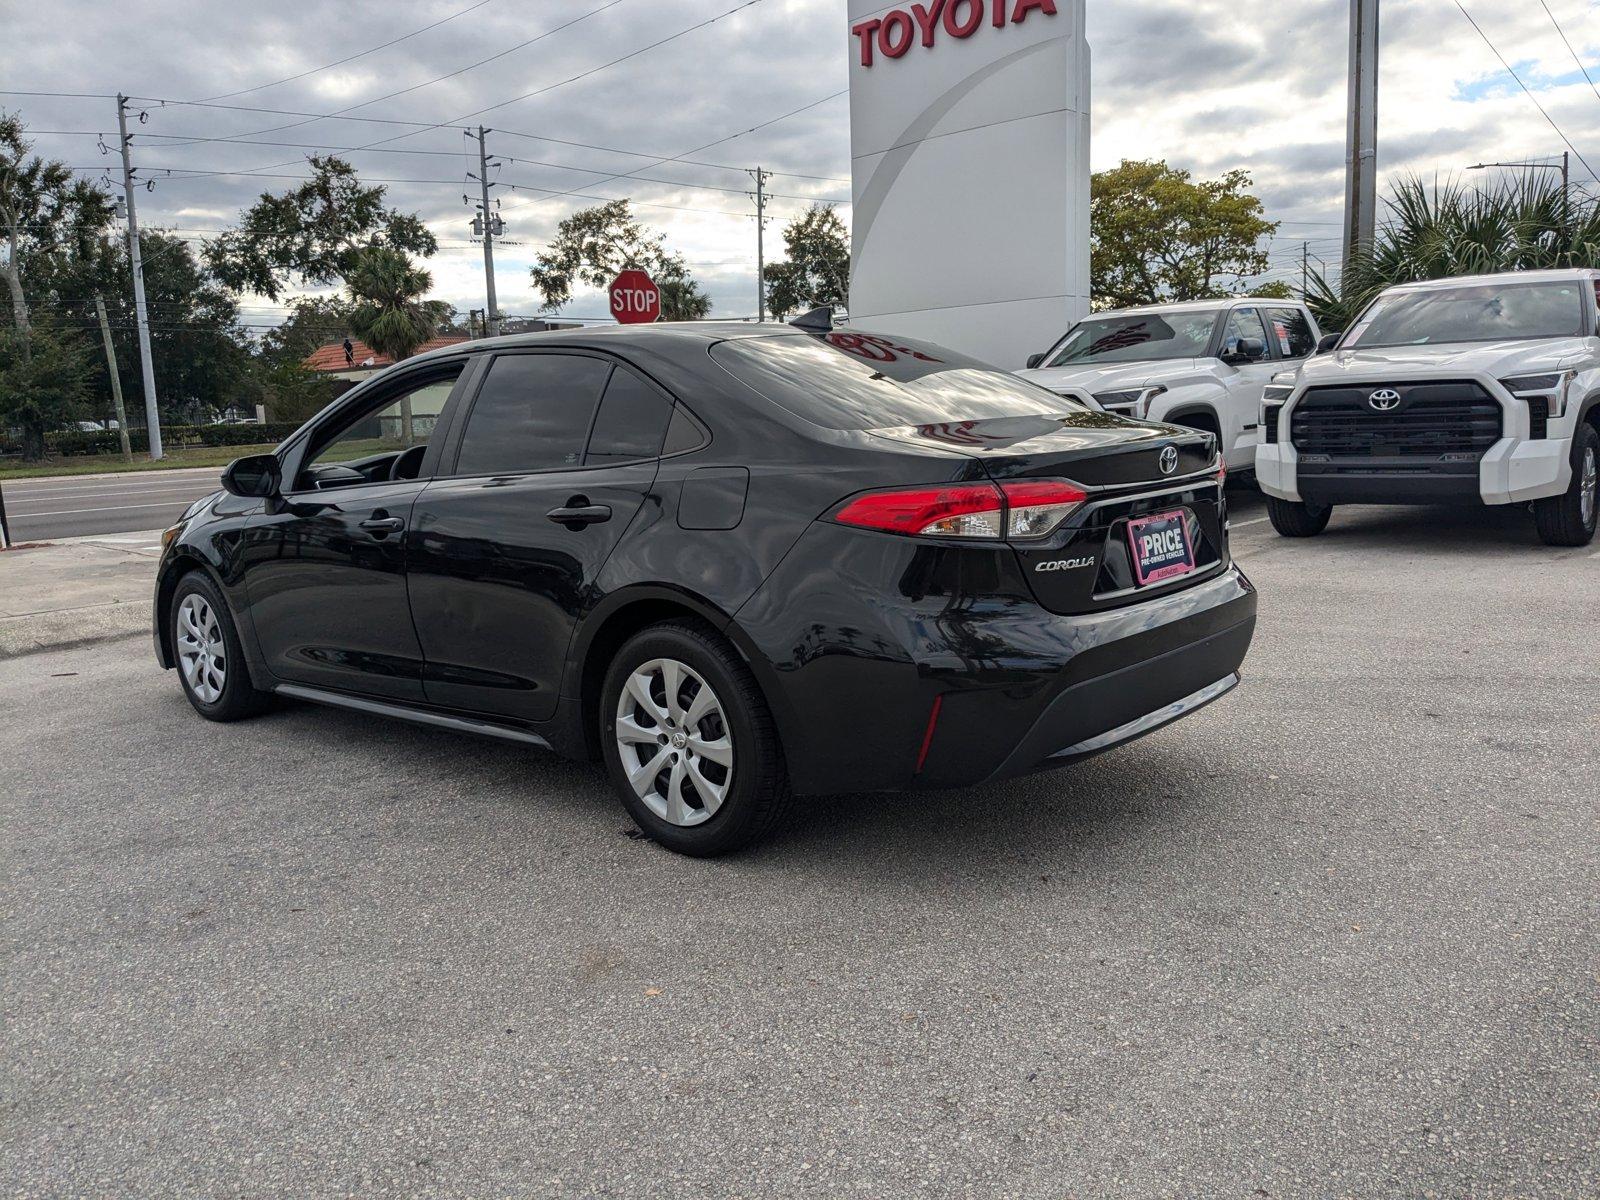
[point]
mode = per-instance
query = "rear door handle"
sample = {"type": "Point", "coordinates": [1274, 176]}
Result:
{"type": "Point", "coordinates": [577, 513]}
{"type": "Point", "coordinates": [382, 527]}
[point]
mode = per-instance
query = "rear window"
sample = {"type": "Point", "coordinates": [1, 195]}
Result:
{"type": "Point", "coordinates": [845, 380]}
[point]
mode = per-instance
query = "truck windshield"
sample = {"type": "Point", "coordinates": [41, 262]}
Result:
{"type": "Point", "coordinates": [1136, 337]}
{"type": "Point", "coordinates": [1477, 313]}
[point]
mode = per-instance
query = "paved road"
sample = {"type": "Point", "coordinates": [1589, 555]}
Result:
{"type": "Point", "coordinates": [1334, 936]}
{"type": "Point", "coordinates": [77, 505]}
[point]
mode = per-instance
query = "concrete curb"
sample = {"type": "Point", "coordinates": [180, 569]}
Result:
{"type": "Point", "coordinates": [65, 628]}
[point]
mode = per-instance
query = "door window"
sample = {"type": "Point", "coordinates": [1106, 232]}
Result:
{"type": "Point", "coordinates": [383, 441]}
{"type": "Point", "coordinates": [632, 422]}
{"type": "Point", "coordinates": [1290, 332]}
{"type": "Point", "coordinates": [1242, 323]}
{"type": "Point", "coordinates": [532, 414]}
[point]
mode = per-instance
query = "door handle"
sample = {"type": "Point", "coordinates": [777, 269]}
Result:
{"type": "Point", "coordinates": [578, 512]}
{"type": "Point", "coordinates": [382, 527]}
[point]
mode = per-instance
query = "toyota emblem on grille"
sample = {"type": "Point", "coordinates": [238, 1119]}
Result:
{"type": "Point", "coordinates": [1384, 399]}
{"type": "Point", "coordinates": [1168, 460]}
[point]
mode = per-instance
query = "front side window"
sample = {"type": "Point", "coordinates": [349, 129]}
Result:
{"type": "Point", "coordinates": [386, 442]}
{"type": "Point", "coordinates": [1242, 323]}
{"type": "Point", "coordinates": [1474, 313]}
{"type": "Point", "coordinates": [1291, 333]}
{"type": "Point", "coordinates": [1136, 337]}
{"type": "Point", "coordinates": [532, 414]}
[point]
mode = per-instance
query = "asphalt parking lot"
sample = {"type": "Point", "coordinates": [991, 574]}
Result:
{"type": "Point", "coordinates": [1335, 936]}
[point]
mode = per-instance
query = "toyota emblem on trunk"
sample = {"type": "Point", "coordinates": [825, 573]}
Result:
{"type": "Point", "coordinates": [1168, 460]}
{"type": "Point", "coordinates": [1384, 399]}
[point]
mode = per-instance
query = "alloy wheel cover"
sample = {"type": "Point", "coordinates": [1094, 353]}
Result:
{"type": "Point", "coordinates": [202, 650]}
{"type": "Point", "coordinates": [674, 742]}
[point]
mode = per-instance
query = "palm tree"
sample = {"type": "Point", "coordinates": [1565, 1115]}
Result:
{"type": "Point", "coordinates": [389, 312]}
{"type": "Point", "coordinates": [1448, 229]}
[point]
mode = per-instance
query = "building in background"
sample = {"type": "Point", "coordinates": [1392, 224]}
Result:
{"type": "Point", "coordinates": [969, 146]}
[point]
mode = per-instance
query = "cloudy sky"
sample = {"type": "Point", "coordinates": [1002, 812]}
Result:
{"type": "Point", "coordinates": [588, 96]}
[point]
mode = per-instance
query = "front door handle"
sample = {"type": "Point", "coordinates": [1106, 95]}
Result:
{"type": "Point", "coordinates": [578, 512]}
{"type": "Point", "coordinates": [382, 527]}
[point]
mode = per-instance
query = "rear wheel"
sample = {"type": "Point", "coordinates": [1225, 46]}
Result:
{"type": "Point", "coordinates": [1293, 518]}
{"type": "Point", "coordinates": [1569, 519]}
{"type": "Point", "coordinates": [690, 743]}
{"type": "Point", "coordinates": [210, 661]}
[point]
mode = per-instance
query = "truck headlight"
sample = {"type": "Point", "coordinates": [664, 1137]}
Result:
{"type": "Point", "coordinates": [1551, 387]}
{"type": "Point", "coordinates": [1133, 402]}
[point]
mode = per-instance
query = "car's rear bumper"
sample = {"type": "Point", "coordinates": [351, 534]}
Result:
{"type": "Point", "coordinates": [914, 666]}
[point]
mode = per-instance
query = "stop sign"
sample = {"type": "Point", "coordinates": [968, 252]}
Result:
{"type": "Point", "coordinates": [635, 299]}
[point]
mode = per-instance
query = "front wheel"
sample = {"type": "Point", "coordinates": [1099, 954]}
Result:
{"type": "Point", "coordinates": [690, 743]}
{"type": "Point", "coordinates": [1569, 519]}
{"type": "Point", "coordinates": [1292, 518]}
{"type": "Point", "coordinates": [210, 660]}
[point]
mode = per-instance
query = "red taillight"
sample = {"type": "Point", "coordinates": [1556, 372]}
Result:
{"type": "Point", "coordinates": [969, 510]}
{"type": "Point", "coordinates": [1037, 507]}
{"type": "Point", "coordinates": [1222, 472]}
{"type": "Point", "coordinates": [1025, 510]}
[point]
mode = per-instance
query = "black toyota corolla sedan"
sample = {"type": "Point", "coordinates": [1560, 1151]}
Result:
{"type": "Point", "coordinates": [741, 564]}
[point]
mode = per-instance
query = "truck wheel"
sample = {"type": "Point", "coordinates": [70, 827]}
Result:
{"type": "Point", "coordinates": [1292, 518]}
{"type": "Point", "coordinates": [1569, 519]}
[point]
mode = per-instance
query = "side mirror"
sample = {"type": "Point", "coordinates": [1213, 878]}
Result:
{"type": "Point", "coordinates": [1034, 360]}
{"type": "Point", "coordinates": [1251, 348]}
{"type": "Point", "coordinates": [257, 476]}
{"type": "Point", "coordinates": [1327, 342]}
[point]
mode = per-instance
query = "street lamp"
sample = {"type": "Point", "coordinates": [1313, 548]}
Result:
{"type": "Point", "coordinates": [1566, 181]}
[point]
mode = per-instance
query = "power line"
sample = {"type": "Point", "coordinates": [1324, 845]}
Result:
{"type": "Point", "coordinates": [1570, 50]}
{"type": "Point", "coordinates": [441, 78]}
{"type": "Point", "coordinates": [1525, 88]}
{"type": "Point", "coordinates": [261, 87]}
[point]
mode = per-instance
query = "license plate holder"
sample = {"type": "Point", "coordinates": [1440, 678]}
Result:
{"type": "Point", "coordinates": [1160, 547]}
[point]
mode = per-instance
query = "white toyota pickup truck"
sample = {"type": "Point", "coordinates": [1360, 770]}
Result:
{"type": "Point", "coordinates": [1483, 389]}
{"type": "Point", "coordinates": [1202, 364]}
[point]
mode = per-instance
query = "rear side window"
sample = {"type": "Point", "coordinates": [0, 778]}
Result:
{"type": "Point", "coordinates": [632, 422]}
{"type": "Point", "coordinates": [532, 414]}
{"type": "Point", "coordinates": [847, 380]}
{"type": "Point", "coordinates": [1291, 333]}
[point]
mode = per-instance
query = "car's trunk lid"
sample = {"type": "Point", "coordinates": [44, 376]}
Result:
{"type": "Point", "coordinates": [1132, 470]}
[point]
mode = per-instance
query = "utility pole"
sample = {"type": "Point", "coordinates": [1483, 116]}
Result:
{"type": "Point", "coordinates": [1305, 269]}
{"type": "Point", "coordinates": [491, 226]}
{"type": "Point", "coordinates": [116, 379]}
{"type": "Point", "coordinates": [1566, 186]}
{"type": "Point", "coordinates": [1361, 153]}
{"type": "Point", "coordinates": [152, 414]}
{"type": "Point", "coordinates": [760, 195]}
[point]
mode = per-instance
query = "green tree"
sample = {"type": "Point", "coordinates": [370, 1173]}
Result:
{"type": "Point", "coordinates": [1444, 229]}
{"type": "Point", "coordinates": [44, 210]}
{"type": "Point", "coordinates": [593, 244]}
{"type": "Point", "coordinates": [46, 375]}
{"type": "Point", "coordinates": [817, 270]}
{"type": "Point", "coordinates": [312, 234]}
{"type": "Point", "coordinates": [199, 351]}
{"type": "Point", "coordinates": [1156, 234]}
{"type": "Point", "coordinates": [682, 300]}
{"type": "Point", "coordinates": [389, 312]}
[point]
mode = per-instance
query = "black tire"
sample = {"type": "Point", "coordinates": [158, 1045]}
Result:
{"type": "Point", "coordinates": [238, 697]}
{"type": "Point", "coordinates": [1295, 519]}
{"type": "Point", "coordinates": [758, 794]}
{"type": "Point", "coordinates": [1560, 519]}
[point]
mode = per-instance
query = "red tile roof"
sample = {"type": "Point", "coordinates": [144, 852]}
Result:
{"type": "Point", "coordinates": [330, 358]}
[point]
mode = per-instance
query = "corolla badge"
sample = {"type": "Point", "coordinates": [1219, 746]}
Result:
{"type": "Point", "coordinates": [1384, 399]}
{"type": "Point", "coordinates": [1168, 462]}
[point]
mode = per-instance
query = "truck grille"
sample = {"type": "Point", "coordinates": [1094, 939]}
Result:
{"type": "Point", "coordinates": [1431, 420]}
